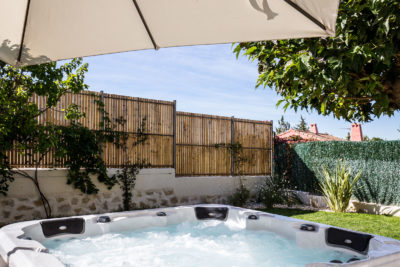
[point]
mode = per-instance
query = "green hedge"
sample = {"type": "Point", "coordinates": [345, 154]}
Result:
{"type": "Point", "coordinates": [379, 161]}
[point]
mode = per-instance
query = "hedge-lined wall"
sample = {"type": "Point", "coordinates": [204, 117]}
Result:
{"type": "Point", "coordinates": [379, 161]}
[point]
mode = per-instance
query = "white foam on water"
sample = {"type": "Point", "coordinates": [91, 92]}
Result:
{"type": "Point", "coordinates": [210, 243]}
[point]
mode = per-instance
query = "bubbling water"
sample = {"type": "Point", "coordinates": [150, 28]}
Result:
{"type": "Point", "coordinates": [209, 243]}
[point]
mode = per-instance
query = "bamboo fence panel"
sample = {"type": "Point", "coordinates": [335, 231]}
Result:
{"type": "Point", "coordinates": [255, 138]}
{"type": "Point", "coordinates": [158, 115]}
{"type": "Point", "coordinates": [196, 153]}
{"type": "Point", "coordinates": [197, 136]}
{"type": "Point", "coordinates": [157, 151]}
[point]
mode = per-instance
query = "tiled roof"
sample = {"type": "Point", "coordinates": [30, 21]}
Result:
{"type": "Point", "coordinates": [307, 135]}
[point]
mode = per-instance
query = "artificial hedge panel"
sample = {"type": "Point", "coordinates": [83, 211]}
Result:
{"type": "Point", "coordinates": [379, 162]}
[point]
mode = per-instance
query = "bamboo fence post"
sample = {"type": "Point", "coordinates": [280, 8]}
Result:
{"type": "Point", "coordinates": [232, 143]}
{"type": "Point", "coordinates": [102, 120]}
{"type": "Point", "coordinates": [174, 138]}
{"type": "Point", "coordinates": [272, 147]}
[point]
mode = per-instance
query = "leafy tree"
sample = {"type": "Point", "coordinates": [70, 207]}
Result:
{"type": "Point", "coordinates": [373, 139]}
{"type": "Point", "coordinates": [21, 130]}
{"type": "Point", "coordinates": [302, 126]}
{"type": "Point", "coordinates": [348, 136]}
{"type": "Point", "coordinates": [41, 143]}
{"type": "Point", "coordinates": [283, 126]}
{"type": "Point", "coordinates": [354, 75]}
{"type": "Point", "coordinates": [19, 126]}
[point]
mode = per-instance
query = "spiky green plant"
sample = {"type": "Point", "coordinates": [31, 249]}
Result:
{"type": "Point", "coordinates": [337, 186]}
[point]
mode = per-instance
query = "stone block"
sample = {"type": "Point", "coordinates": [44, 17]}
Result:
{"type": "Point", "coordinates": [149, 192]}
{"type": "Point", "coordinates": [8, 202]}
{"type": "Point", "coordinates": [107, 195]}
{"type": "Point", "coordinates": [6, 214]}
{"type": "Point", "coordinates": [64, 209]}
{"type": "Point", "coordinates": [38, 202]}
{"type": "Point", "coordinates": [60, 199]}
{"type": "Point", "coordinates": [173, 200]}
{"type": "Point", "coordinates": [92, 207]}
{"type": "Point", "coordinates": [36, 214]}
{"type": "Point", "coordinates": [184, 200]}
{"type": "Point", "coordinates": [168, 191]}
{"type": "Point", "coordinates": [18, 217]}
{"type": "Point", "coordinates": [116, 200]}
{"type": "Point", "coordinates": [78, 210]}
{"type": "Point", "coordinates": [23, 207]}
{"type": "Point", "coordinates": [74, 201]}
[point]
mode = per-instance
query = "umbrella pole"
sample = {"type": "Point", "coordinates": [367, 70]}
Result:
{"type": "Point", "coordinates": [156, 47]}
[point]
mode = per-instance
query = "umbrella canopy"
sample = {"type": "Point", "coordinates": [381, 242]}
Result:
{"type": "Point", "coordinates": [39, 31]}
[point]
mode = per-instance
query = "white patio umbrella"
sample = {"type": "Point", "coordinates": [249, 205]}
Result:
{"type": "Point", "coordinates": [38, 31]}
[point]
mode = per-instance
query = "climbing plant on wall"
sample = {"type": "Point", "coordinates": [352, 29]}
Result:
{"type": "Point", "coordinates": [242, 194]}
{"type": "Point", "coordinates": [126, 176]}
{"type": "Point", "coordinates": [78, 148]}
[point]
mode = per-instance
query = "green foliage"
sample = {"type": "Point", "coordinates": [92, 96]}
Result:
{"type": "Point", "coordinates": [242, 194]}
{"type": "Point", "coordinates": [354, 75]}
{"type": "Point", "coordinates": [75, 146]}
{"type": "Point", "coordinates": [379, 161]}
{"type": "Point", "coordinates": [19, 127]}
{"type": "Point", "coordinates": [302, 126]}
{"type": "Point", "coordinates": [240, 197]}
{"type": "Point", "coordinates": [236, 150]}
{"type": "Point", "coordinates": [283, 126]}
{"type": "Point", "coordinates": [373, 139]}
{"type": "Point", "coordinates": [337, 186]}
{"type": "Point", "coordinates": [276, 191]}
{"type": "Point", "coordinates": [126, 177]}
{"type": "Point", "coordinates": [73, 113]}
{"type": "Point", "coordinates": [80, 150]}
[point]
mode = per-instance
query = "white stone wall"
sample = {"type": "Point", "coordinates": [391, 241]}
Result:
{"type": "Point", "coordinates": [154, 188]}
{"type": "Point", "coordinates": [372, 208]}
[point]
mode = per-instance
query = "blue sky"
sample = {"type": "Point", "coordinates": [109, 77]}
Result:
{"type": "Point", "coordinates": [209, 79]}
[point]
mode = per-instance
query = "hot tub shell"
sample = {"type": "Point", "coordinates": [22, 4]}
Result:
{"type": "Point", "coordinates": [20, 243]}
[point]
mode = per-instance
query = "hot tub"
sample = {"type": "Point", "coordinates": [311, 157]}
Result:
{"type": "Point", "coordinates": [199, 235]}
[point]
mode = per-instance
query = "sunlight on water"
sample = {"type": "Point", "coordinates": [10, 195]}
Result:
{"type": "Point", "coordinates": [209, 243]}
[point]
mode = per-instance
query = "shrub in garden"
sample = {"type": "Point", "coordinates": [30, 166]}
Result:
{"type": "Point", "coordinates": [337, 186]}
{"type": "Point", "coordinates": [276, 191]}
{"type": "Point", "coordinates": [240, 197]}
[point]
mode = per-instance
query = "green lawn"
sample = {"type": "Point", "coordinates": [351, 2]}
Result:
{"type": "Point", "coordinates": [374, 224]}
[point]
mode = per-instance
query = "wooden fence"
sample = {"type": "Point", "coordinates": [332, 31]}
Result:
{"type": "Point", "coordinates": [202, 142]}
{"type": "Point", "coordinates": [193, 144]}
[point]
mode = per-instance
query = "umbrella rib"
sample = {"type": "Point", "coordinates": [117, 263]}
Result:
{"type": "Point", "coordinates": [23, 31]}
{"type": "Point", "coordinates": [145, 25]}
{"type": "Point", "coordinates": [306, 14]}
